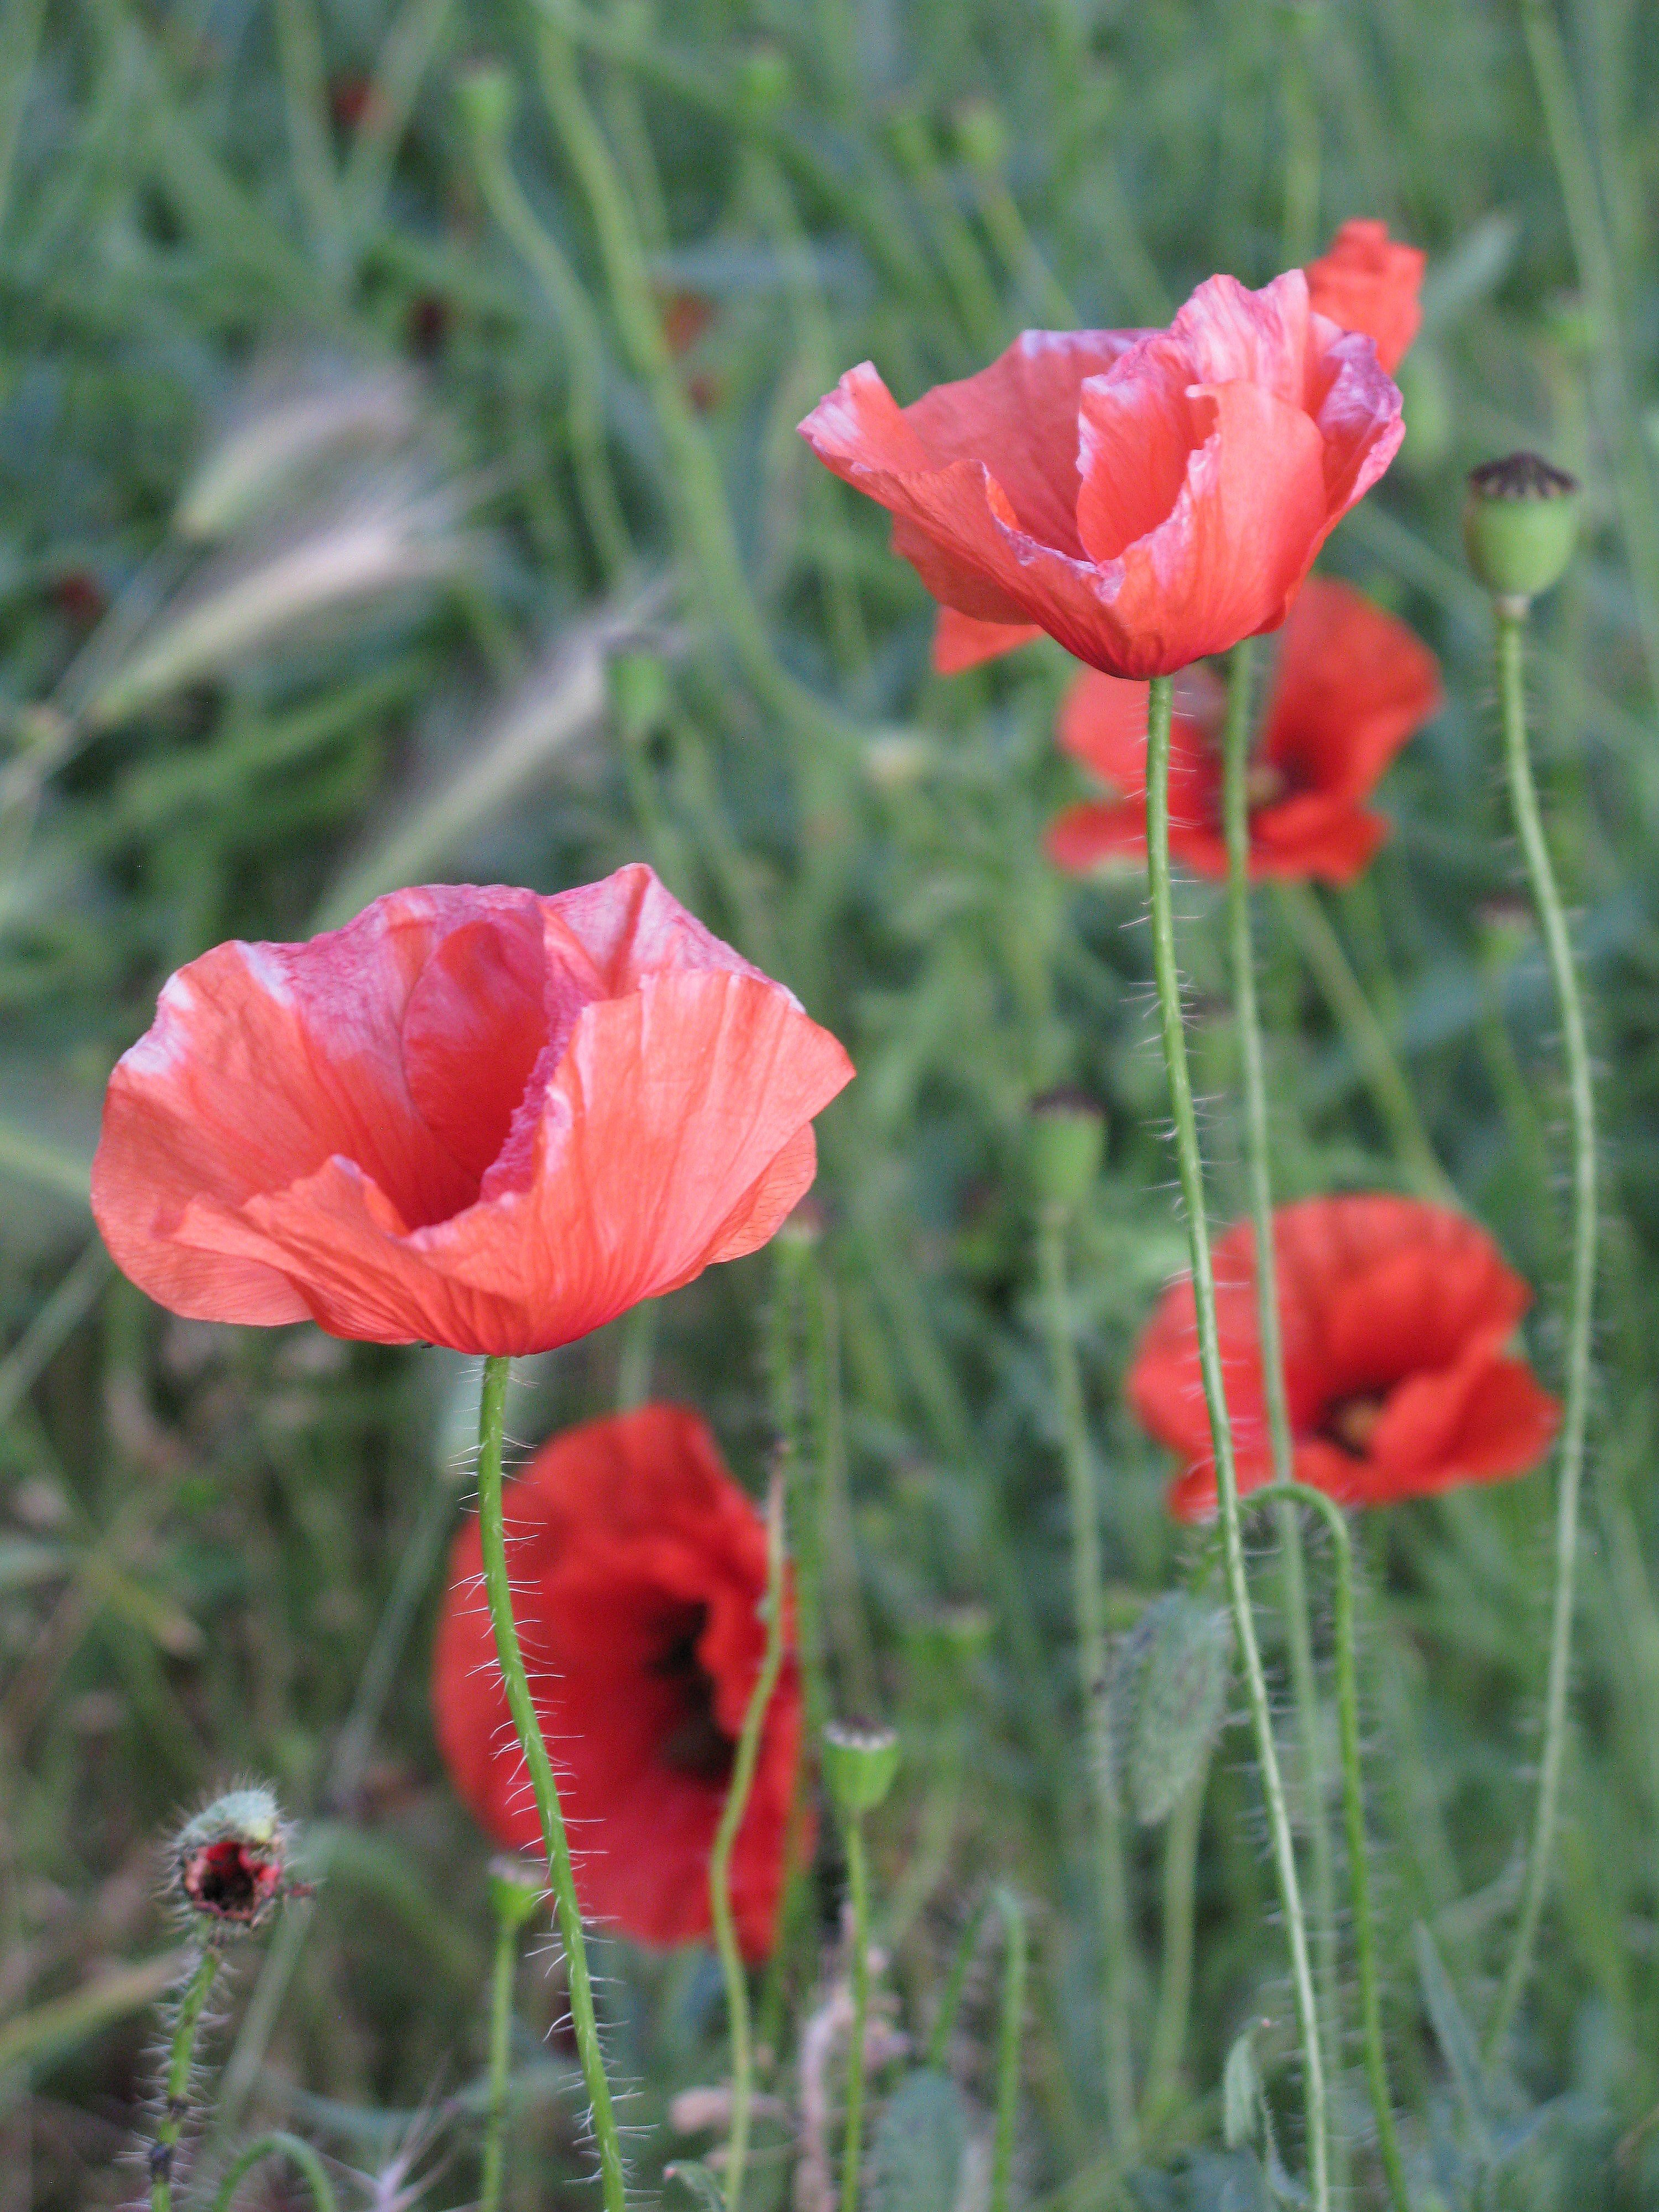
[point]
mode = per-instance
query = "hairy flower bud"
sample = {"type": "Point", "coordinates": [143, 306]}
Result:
{"type": "Point", "coordinates": [1168, 1693]}
{"type": "Point", "coordinates": [1520, 524]}
{"type": "Point", "coordinates": [229, 1862]}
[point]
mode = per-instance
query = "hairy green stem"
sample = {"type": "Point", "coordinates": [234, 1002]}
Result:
{"type": "Point", "coordinates": [175, 2095]}
{"type": "Point", "coordinates": [1524, 792]}
{"type": "Point", "coordinates": [1215, 1397]}
{"type": "Point", "coordinates": [1291, 1496]}
{"type": "Point", "coordinates": [561, 1877]}
{"type": "Point", "coordinates": [503, 1971]}
{"type": "Point", "coordinates": [858, 1884]}
{"type": "Point", "coordinates": [1086, 1601]}
{"type": "Point", "coordinates": [298, 2152]}
{"type": "Point", "coordinates": [1236, 818]}
{"type": "Point", "coordinates": [725, 1836]}
{"type": "Point", "coordinates": [1009, 2031]}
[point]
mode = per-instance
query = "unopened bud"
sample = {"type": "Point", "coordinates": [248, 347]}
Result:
{"type": "Point", "coordinates": [516, 1888]}
{"type": "Point", "coordinates": [1168, 1693]}
{"type": "Point", "coordinates": [230, 1862]}
{"type": "Point", "coordinates": [486, 97]}
{"type": "Point", "coordinates": [859, 1766]}
{"type": "Point", "coordinates": [1065, 1142]}
{"type": "Point", "coordinates": [1519, 524]}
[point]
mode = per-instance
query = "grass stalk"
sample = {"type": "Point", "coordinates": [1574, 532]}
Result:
{"type": "Point", "coordinates": [1209, 1344]}
{"type": "Point", "coordinates": [1009, 2028]}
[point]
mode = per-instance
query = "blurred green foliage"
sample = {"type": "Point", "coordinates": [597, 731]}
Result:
{"type": "Point", "coordinates": [562, 317]}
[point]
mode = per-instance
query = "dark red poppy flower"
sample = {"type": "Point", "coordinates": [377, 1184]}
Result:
{"type": "Point", "coordinates": [638, 1569]}
{"type": "Point", "coordinates": [1369, 282]}
{"type": "Point", "coordinates": [1396, 1317]}
{"type": "Point", "coordinates": [1351, 685]}
{"type": "Point", "coordinates": [1144, 498]}
{"type": "Point", "coordinates": [474, 1117]}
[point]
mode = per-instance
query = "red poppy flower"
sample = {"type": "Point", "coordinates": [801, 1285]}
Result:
{"type": "Point", "coordinates": [1369, 282]}
{"type": "Point", "coordinates": [1145, 499]}
{"type": "Point", "coordinates": [1351, 686]}
{"type": "Point", "coordinates": [475, 1117]}
{"type": "Point", "coordinates": [638, 1569]}
{"type": "Point", "coordinates": [1395, 1316]}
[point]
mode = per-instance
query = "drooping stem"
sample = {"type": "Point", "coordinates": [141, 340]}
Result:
{"type": "Point", "coordinates": [1291, 1495]}
{"type": "Point", "coordinates": [300, 2155]}
{"type": "Point", "coordinates": [1191, 1170]}
{"type": "Point", "coordinates": [1235, 817]}
{"type": "Point", "coordinates": [562, 1877]}
{"type": "Point", "coordinates": [857, 1885]}
{"type": "Point", "coordinates": [175, 2100]}
{"type": "Point", "coordinates": [1511, 698]}
{"type": "Point", "coordinates": [1086, 1602]}
{"type": "Point", "coordinates": [1010, 2034]}
{"type": "Point", "coordinates": [725, 1836]}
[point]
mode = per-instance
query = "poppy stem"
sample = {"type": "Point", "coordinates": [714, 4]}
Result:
{"type": "Point", "coordinates": [858, 1887]}
{"type": "Point", "coordinates": [1523, 794]}
{"type": "Point", "coordinates": [1174, 1990]}
{"type": "Point", "coordinates": [1010, 2029]}
{"type": "Point", "coordinates": [1235, 819]}
{"type": "Point", "coordinates": [1086, 1578]}
{"type": "Point", "coordinates": [300, 2155]}
{"type": "Point", "coordinates": [725, 1836]}
{"type": "Point", "coordinates": [1291, 1496]}
{"type": "Point", "coordinates": [1191, 1169]}
{"type": "Point", "coordinates": [492, 1406]}
{"type": "Point", "coordinates": [175, 2094]}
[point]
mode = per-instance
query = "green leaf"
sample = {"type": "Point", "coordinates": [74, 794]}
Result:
{"type": "Point", "coordinates": [1457, 2045]}
{"type": "Point", "coordinates": [1240, 2094]}
{"type": "Point", "coordinates": [699, 2181]}
{"type": "Point", "coordinates": [916, 2158]}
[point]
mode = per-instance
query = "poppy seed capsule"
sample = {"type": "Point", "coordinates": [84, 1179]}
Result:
{"type": "Point", "coordinates": [859, 1766]}
{"type": "Point", "coordinates": [1519, 524]}
{"type": "Point", "coordinates": [1065, 1141]}
{"type": "Point", "coordinates": [229, 1862]}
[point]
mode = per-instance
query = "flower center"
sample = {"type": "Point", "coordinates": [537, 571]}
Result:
{"type": "Point", "coordinates": [696, 1744]}
{"type": "Point", "coordinates": [1351, 1422]}
{"type": "Point", "coordinates": [1264, 784]}
{"type": "Point", "coordinates": [229, 1879]}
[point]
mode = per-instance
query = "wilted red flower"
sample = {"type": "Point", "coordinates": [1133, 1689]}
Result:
{"type": "Point", "coordinates": [475, 1117]}
{"type": "Point", "coordinates": [638, 1568]}
{"type": "Point", "coordinates": [1145, 499]}
{"type": "Point", "coordinates": [1395, 1316]}
{"type": "Point", "coordinates": [1351, 685]}
{"type": "Point", "coordinates": [1369, 282]}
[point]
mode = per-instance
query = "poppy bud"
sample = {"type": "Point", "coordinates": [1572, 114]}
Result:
{"type": "Point", "coordinates": [516, 1888]}
{"type": "Point", "coordinates": [1520, 522]}
{"type": "Point", "coordinates": [859, 1764]}
{"type": "Point", "coordinates": [1065, 1139]}
{"type": "Point", "coordinates": [486, 96]}
{"type": "Point", "coordinates": [1168, 1694]}
{"type": "Point", "coordinates": [229, 1862]}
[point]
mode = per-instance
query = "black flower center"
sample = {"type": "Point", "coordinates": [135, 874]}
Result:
{"type": "Point", "coordinates": [695, 1743]}
{"type": "Point", "coordinates": [230, 1879]}
{"type": "Point", "coordinates": [1351, 1423]}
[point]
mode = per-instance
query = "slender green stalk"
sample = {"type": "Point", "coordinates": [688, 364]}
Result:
{"type": "Point", "coordinates": [1235, 816]}
{"type": "Point", "coordinates": [720, 1857]}
{"type": "Point", "coordinates": [1367, 1041]}
{"type": "Point", "coordinates": [1010, 2034]}
{"type": "Point", "coordinates": [1300, 134]}
{"type": "Point", "coordinates": [956, 1982]}
{"type": "Point", "coordinates": [1175, 1988]}
{"type": "Point", "coordinates": [1511, 698]}
{"type": "Point", "coordinates": [1294, 1495]}
{"type": "Point", "coordinates": [1086, 1603]}
{"type": "Point", "coordinates": [298, 2152]}
{"type": "Point", "coordinates": [300, 59]}
{"type": "Point", "coordinates": [499, 1592]}
{"type": "Point", "coordinates": [514, 1895]}
{"type": "Point", "coordinates": [1215, 1397]}
{"type": "Point", "coordinates": [858, 1884]}
{"type": "Point", "coordinates": [175, 2103]}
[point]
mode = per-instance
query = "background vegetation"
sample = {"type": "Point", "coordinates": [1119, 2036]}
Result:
{"type": "Point", "coordinates": [568, 313]}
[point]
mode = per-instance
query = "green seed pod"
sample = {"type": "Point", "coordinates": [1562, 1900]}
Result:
{"type": "Point", "coordinates": [1519, 524]}
{"type": "Point", "coordinates": [1065, 1143]}
{"type": "Point", "coordinates": [486, 97]}
{"type": "Point", "coordinates": [516, 1888]}
{"type": "Point", "coordinates": [229, 1862]}
{"type": "Point", "coordinates": [859, 1766]}
{"type": "Point", "coordinates": [1169, 1692]}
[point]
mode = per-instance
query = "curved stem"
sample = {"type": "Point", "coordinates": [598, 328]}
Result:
{"type": "Point", "coordinates": [561, 1874]}
{"type": "Point", "coordinates": [1091, 1656]}
{"type": "Point", "coordinates": [1215, 1398]}
{"type": "Point", "coordinates": [1523, 794]}
{"type": "Point", "coordinates": [858, 1882]}
{"type": "Point", "coordinates": [1291, 1495]}
{"type": "Point", "coordinates": [1008, 2043]}
{"type": "Point", "coordinates": [181, 2055]}
{"type": "Point", "coordinates": [1236, 818]}
{"type": "Point", "coordinates": [279, 2144]}
{"type": "Point", "coordinates": [720, 1857]}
